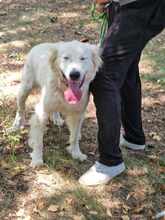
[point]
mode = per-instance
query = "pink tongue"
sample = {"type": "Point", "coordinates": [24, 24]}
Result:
{"type": "Point", "coordinates": [73, 93]}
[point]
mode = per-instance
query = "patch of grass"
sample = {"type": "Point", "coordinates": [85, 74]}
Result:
{"type": "Point", "coordinates": [89, 204]}
{"type": "Point", "coordinates": [157, 78]}
{"type": "Point", "coordinates": [81, 24]}
{"type": "Point", "coordinates": [162, 160]}
{"type": "Point", "coordinates": [56, 155]}
{"type": "Point", "coordinates": [57, 158]}
{"type": "Point", "coordinates": [156, 54]}
{"type": "Point", "coordinates": [24, 22]}
{"type": "Point", "coordinates": [74, 202]}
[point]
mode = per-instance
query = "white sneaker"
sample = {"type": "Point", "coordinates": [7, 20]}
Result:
{"type": "Point", "coordinates": [125, 143]}
{"type": "Point", "coordinates": [100, 174]}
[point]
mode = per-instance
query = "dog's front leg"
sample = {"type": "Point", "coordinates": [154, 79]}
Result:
{"type": "Point", "coordinates": [57, 120]}
{"type": "Point", "coordinates": [37, 127]}
{"type": "Point", "coordinates": [74, 123]}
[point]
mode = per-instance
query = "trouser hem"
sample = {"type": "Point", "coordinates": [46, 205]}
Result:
{"type": "Point", "coordinates": [110, 162]}
{"type": "Point", "coordinates": [130, 140]}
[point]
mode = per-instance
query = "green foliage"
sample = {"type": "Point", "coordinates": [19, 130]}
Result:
{"type": "Point", "coordinates": [101, 18]}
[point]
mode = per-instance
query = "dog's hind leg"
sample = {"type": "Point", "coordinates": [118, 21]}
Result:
{"type": "Point", "coordinates": [74, 123]}
{"type": "Point", "coordinates": [26, 85]}
{"type": "Point", "coordinates": [21, 99]}
{"type": "Point", "coordinates": [37, 128]}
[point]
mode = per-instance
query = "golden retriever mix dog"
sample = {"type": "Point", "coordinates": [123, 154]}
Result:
{"type": "Point", "coordinates": [63, 71]}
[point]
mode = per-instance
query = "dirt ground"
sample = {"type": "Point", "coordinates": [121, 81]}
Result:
{"type": "Point", "coordinates": [52, 191]}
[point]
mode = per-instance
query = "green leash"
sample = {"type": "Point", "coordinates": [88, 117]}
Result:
{"type": "Point", "coordinates": [101, 18]}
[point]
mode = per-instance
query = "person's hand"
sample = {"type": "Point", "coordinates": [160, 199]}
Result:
{"type": "Point", "coordinates": [101, 1]}
{"type": "Point", "coordinates": [100, 5]}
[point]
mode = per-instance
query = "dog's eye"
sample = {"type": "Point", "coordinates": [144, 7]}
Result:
{"type": "Point", "coordinates": [82, 58]}
{"type": "Point", "coordinates": [66, 58]}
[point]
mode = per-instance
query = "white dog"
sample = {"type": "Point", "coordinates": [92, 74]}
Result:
{"type": "Point", "coordinates": [63, 71]}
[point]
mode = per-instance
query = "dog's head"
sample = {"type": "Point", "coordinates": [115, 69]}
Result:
{"type": "Point", "coordinates": [78, 63]}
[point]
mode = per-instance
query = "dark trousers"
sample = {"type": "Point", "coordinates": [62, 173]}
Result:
{"type": "Point", "coordinates": [117, 87]}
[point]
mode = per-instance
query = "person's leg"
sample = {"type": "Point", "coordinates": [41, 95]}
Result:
{"type": "Point", "coordinates": [106, 91]}
{"type": "Point", "coordinates": [133, 136]}
{"type": "Point", "coordinates": [131, 108]}
{"type": "Point", "coordinates": [122, 46]}
{"type": "Point", "coordinates": [121, 55]}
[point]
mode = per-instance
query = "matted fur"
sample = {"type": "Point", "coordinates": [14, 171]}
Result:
{"type": "Point", "coordinates": [48, 68]}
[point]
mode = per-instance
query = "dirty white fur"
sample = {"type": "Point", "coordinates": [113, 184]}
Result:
{"type": "Point", "coordinates": [45, 66]}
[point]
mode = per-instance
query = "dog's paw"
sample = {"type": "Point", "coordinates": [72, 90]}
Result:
{"type": "Point", "coordinates": [69, 149]}
{"type": "Point", "coordinates": [19, 122]}
{"type": "Point", "coordinates": [80, 156]}
{"type": "Point", "coordinates": [12, 129]}
{"type": "Point", "coordinates": [76, 154]}
{"type": "Point", "coordinates": [36, 163]}
{"type": "Point", "coordinates": [36, 160]}
{"type": "Point", "coordinates": [16, 127]}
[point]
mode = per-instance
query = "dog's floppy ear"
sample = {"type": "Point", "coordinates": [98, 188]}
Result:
{"type": "Point", "coordinates": [97, 61]}
{"type": "Point", "coordinates": [55, 68]}
{"type": "Point", "coordinates": [53, 58]}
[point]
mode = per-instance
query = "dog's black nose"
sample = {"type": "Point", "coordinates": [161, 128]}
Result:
{"type": "Point", "coordinates": [74, 75]}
